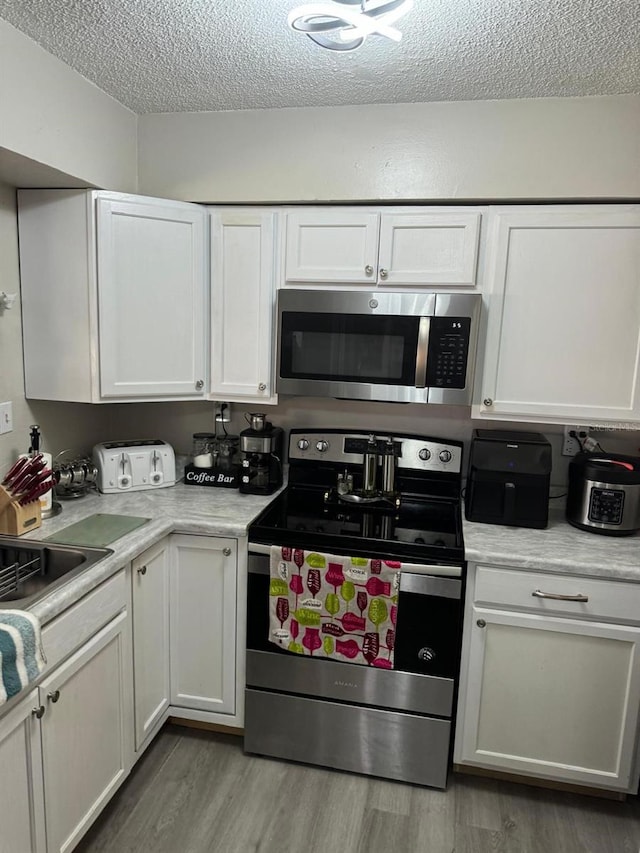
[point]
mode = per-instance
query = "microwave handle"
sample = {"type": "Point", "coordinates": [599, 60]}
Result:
{"type": "Point", "coordinates": [422, 352]}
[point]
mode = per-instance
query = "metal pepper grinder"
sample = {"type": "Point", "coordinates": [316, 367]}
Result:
{"type": "Point", "coordinates": [389, 469]}
{"type": "Point", "coordinates": [370, 467]}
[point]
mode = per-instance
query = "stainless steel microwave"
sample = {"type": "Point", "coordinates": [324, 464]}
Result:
{"type": "Point", "coordinates": [395, 347]}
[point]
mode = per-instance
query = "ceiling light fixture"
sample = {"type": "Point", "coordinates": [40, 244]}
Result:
{"type": "Point", "coordinates": [345, 24]}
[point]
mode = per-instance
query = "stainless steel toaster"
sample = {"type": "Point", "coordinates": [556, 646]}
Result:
{"type": "Point", "coordinates": [130, 466]}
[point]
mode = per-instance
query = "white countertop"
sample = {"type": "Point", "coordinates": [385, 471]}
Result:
{"type": "Point", "coordinates": [177, 509]}
{"type": "Point", "coordinates": [559, 548]}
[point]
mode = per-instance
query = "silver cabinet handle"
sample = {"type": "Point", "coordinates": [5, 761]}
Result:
{"type": "Point", "coordinates": [226, 552]}
{"type": "Point", "coordinates": [368, 269]}
{"type": "Point", "coordinates": [488, 402]}
{"type": "Point", "coordinates": [262, 387]}
{"type": "Point", "coordinates": [539, 594]}
{"type": "Point", "coordinates": [38, 712]}
{"type": "Point", "coordinates": [142, 570]}
{"type": "Point", "coordinates": [199, 384]}
{"type": "Point", "coordinates": [481, 623]}
{"type": "Point", "coordinates": [384, 273]}
{"type": "Point", "coordinates": [53, 696]}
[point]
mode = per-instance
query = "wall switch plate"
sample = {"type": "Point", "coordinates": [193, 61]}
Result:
{"type": "Point", "coordinates": [571, 445]}
{"type": "Point", "coordinates": [222, 412]}
{"type": "Point", "coordinates": [6, 417]}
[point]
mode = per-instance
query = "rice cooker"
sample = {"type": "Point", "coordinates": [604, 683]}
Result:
{"type": "Point", "coordinates": [604, 493]}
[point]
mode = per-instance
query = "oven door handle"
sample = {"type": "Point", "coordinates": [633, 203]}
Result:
{"type": "Point", "coordinates": [421, 584]}
{"type": "Point", "coordinates": [256, 548]}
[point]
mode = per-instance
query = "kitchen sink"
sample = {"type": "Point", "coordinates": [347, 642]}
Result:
{"type": "Point", "coordinates": [29, 569]}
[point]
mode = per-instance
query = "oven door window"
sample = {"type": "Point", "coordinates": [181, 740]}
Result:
{"type": "Point", "coordinates": [349, 348]}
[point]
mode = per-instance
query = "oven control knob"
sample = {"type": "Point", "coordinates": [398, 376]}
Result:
{"type": "Point", "coordinates": [303, 444]}
{"type": "Point", "coordinates": [424, 454]}
{"type": "Point", "coordinates": [426, 654]}
{"type": "Point", "coordinates": [444, 456]}
{"type": "Point", "coordinates": [322, 445]}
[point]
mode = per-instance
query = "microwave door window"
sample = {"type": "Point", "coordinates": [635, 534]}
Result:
{"type": "Point", "coordinates": [379, 350]}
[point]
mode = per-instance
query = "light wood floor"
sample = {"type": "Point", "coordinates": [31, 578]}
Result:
{"type": "Point", "coordinates": [196, 792]}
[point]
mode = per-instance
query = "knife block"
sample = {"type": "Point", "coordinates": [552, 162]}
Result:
{"type": "Point", "coordinates": [15, 520]}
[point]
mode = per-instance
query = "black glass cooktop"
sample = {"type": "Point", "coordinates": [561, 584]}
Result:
{"type": "Point", "coordinates": [421, 529]}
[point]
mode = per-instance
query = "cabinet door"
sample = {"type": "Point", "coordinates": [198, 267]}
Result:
{"type": "Point", "coordinates": [152, 285]}
{"type": "Point", "coordinates": [337, 245]}
{"type": "Point", "coordinates": [563, 334]}
{"type": "Point", "coordinates": [150, 582]}
{"type": "Point", "coordinates": [85, 733]}
{"type": "Point", "coordinates": [203, 623]}
{"type": "Point", "coordinates": [551, 697]}
{"type": "Point", "coordinates": [243, 260]}
{"type": "Point", "coordinates": [435, 247]}
{"type": "Point", "coordinates": [21, 797]}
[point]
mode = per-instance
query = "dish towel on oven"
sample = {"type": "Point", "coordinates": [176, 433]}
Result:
{"type": "Point", "coordinates": [342, 608]}
{"type": "Point", "coordinates": [22, 658]}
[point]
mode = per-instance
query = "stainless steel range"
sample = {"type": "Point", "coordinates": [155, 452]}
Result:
{"type": "Point", "coordinates": [392, 498]}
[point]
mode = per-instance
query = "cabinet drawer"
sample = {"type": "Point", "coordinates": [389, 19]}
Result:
{"type": "Point", "coordinates": [607, 600]}
{"type": "Point", "coordinates": [72, 628]}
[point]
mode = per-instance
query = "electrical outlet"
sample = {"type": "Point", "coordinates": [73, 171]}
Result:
{"type": "Point", "coordinates": [222, 412]}
{"type": "Point", "coordinates": [6, 417]}
{"type": "Point", "coordinates": [571, 445]}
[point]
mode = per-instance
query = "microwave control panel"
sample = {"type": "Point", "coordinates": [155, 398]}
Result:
{"type": "Point", "coordinates": [448, 352]}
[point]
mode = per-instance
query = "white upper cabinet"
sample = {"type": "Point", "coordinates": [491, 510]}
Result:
{"type": "Point", "coordinates": [419, 247]}
{"type": "Point", "coordinates": [337, 245]}
{"type": "Point", "coordinates": [429, 248]}
{"type": "Point", "coordinates": [114, 296]}
{"type": "Point", "coordinates": [152, 308]}
{"type": "Point", "coordinates": [563, 296]}
{"type": "Point", "coordinates": [243, 288]}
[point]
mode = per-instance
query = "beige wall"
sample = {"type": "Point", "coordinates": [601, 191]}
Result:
{"type": "Point", "coordinates": [552, 148]}
{"type": "Point", "coordinates": [52, 115]}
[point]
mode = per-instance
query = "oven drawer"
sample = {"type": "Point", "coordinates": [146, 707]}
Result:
{"type": "Point", "coordinates": [347, 682]}
{"type": "Point", "coordinates": [377, 742]}
{"type": "Point", "coordinates": [605, 599]}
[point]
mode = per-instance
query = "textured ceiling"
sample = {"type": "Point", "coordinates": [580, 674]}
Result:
{"type": "Point", "coordinates": [193, 55]}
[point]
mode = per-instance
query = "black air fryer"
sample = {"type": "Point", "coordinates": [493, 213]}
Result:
{"type": "Point", "coordinates": [508, 478]}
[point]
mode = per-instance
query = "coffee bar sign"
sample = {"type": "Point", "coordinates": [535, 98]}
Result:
{"type": "Point", "coordinates": [226, 478]}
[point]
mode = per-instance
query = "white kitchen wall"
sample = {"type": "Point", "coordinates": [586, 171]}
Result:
{"type": "Point", "coordinates": [54, 116]}
{"type": "Point", "coordinates": [551, 148]}
{"type": "Point", "coordinates": [176, 423]}
{"type": "Point", "coordinates": [63, 425]}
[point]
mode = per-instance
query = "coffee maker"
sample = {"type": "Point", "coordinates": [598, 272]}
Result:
{"type": "Point", "coordinates": [261, 450]}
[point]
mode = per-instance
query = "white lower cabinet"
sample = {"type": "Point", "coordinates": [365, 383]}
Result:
{"type": "Point", "coordinates": [203, 625]}
{"type": "Point", "coordinates": [150, 596]}
{"type": "Point", "coordinates": [86, 743]}
{"type": "Point", "coordinates": [549, 696]}
{"type": "Point", "coordinates": [67, 746]}
{"type": "Point", "coordinates": [21, 793]}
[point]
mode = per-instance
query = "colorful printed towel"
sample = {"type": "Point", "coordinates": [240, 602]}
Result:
{"type": "Point", "coordinates": [342, 608]}
{"type": "Point", "coordinates": [22, 658]}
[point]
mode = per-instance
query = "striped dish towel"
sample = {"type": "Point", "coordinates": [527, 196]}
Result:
{"type": "Point", "coordinates": [22, 658]}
